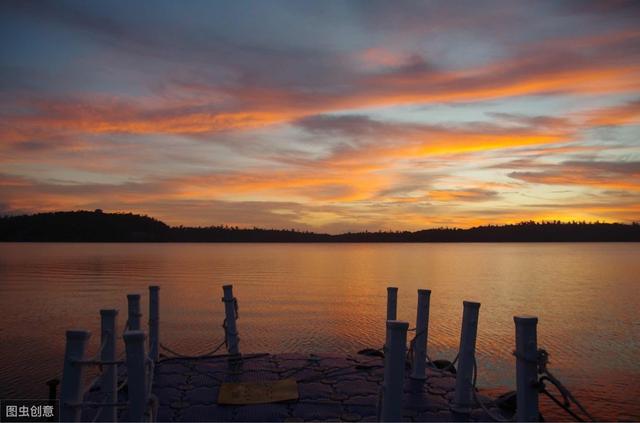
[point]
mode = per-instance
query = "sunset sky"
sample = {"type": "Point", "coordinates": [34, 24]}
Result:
{"type": "Point", "coordinates": [322, 115]}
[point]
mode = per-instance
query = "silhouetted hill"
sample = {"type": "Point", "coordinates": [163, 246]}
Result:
{"type": "Point", "coordinates": [83, 226]}
{"type": "Point", "coordinates": [96, 226]}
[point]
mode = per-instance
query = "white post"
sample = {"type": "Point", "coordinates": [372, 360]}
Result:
{"type": "Point", "coordinates": [133, 322]}
{"type": "Point", "coordinates": [392, 308]}
{"type": "Point", "coordinates": [72, 376]}
{"type": "Point", "coordinates": [526, 369]}
{"type": "Point", "coordinates": [109, 379]}
{"type": "Point", "coordinates": [422, 335]}
{"type": "Point", "coordinates": [154, 322]}
{"type": "Point", "coordinates": [230, 320]}
{"type": "Point", "coordinates": [394, 361]}
{"type": "Point", "coordinates": [392, 303]}
{"type": "Point", "coordinates": [136, 374]}
{"type": "Point", "coordinates": [463, 400]}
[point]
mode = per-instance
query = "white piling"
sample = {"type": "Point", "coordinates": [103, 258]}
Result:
{"type": "Point", "coordinates": [422, 335]}
{"type": "Point", "coordinates": [392, 303]}
{"type": "Point", "coordinates": [463, 399]}
{"type": "Point", "coordinates": [73, 375]}
{"type": "Point", "coordinates": [526, 368]}
{"type": "Point", "coordinates": [109, 378]}
{"type": "Point", "coordinates": [392, 308]}
{"type": "Point", "coordinates": [136, 374]}
{"type": "Point", "coordinates": [154, 322]}
{"type": "Point", "coordinates": [133, 322]}
{"type": "Point", "coordinates": [231, 331]}
{"type": "Point", "coordinates": [394, 361]}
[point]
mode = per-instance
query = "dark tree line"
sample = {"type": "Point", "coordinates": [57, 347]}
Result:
{"type": "Point", "coordinates": [96, 226]}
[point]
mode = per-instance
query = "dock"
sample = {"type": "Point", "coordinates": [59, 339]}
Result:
{"type": "Point", "coordinates": [330, 388]}
{"type": "Point", "coordinates": [398, 382]}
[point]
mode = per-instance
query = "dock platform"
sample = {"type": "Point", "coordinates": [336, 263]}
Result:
{"type": "Point", "coordinates": [330, 388]}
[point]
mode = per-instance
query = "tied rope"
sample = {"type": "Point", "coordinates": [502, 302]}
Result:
{"type": "Point", "coordinates": [474, 391]}
{"type": "Point", "coordinates": [411, 348]}
{"type": "Point", "coordinates": [224, 343]}
{"type": "Point", "coordinates": [542, 360]}
{"type": "Point", "coordinates": [224, 322]}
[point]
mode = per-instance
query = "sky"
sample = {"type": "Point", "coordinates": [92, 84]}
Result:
{"type": "Point", "coordinates": [328, 116]}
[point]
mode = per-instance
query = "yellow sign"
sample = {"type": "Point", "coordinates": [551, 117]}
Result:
{"type": "Point", "coordinates": [264, 392]}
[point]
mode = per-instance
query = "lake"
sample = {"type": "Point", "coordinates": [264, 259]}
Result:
{"type": "Point", "coordinates": [331, 298]}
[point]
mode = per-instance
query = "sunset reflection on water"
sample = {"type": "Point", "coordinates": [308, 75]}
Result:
{"type": "Point", "coordinates": [331, 298]}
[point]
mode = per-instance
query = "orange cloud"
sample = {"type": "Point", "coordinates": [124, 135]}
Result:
{"type": "Point", "coordinates": [625, 114]}
{"type": "Point", "coordinates": [597, 174]}
{"type": "Point", "coordinates": [250, 106]}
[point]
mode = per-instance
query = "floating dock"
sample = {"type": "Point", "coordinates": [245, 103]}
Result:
{"type": "Point", "coordinates": [398, 382]}
{"type": "Point", "coordinates": [329, 388]}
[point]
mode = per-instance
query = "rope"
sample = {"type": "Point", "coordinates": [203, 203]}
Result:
{"type": "Point", "coordinates": [205, 355]}
{"type": "Point", "coordinates": [542, 361]}
{"type": "Point", "coordinates": [126, 326]}
{"type": "Point", "coordinates": [566, 395]}
{"type": "Point", "coordinates": [122, 384]}
{"type": "Point", "coordinates": [411, 348]}
{"type": "Point", "coordinates": [236, 313]}
{"type": "Point", "coordinates": [102, 346]}
{"type": "Point", "coordinates": [477, 399]}
{"type": "Point", "coordinates": [453, 363]}
{"type": "Point", "coordinates": [90, 385]}
{"type": "Point", "coordinates": [95, 419]}
{"type": "Point", "coordinates": [150, 370]}
{"type": "Point", "coordinates": [563, 406]}
{"type": "Point", "coordinates": [152, 408]}
{"type": "Point", "coordinates": [412, 343]}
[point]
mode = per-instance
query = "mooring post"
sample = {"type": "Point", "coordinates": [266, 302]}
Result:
{"type": "Point", "coordinates": [422, 335]}
{"type": "Point", "coordinates": [72, 376]}
{"type": "Point", "coordinates": [109, 379]}
{"type": "Point", "coordinates": [526, 368]}
{"type": "Point", "coordinates": [392, 303]}
{"type": "Point", "coordinates": [394, 361]}
{"type": "Point", "coordinates": [392, 308]}
{"type": "Point", "coordinates": [53, 388]}
{"type": "Point", "coordinates": [136, 374]}
{"type": "Point", "coordinates": [230, 308]}
{"type": "Point", "coordinates": [133, 322]}
{"type": "Point", "coordinates": [154, 322]}
{"type": "Point", "coordinates": [463, 399]}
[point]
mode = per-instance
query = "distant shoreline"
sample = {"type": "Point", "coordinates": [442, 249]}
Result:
{"type": "Point", "coordinates": [320, 242]}
{"type": "Point", "coordinates": [97, 226]}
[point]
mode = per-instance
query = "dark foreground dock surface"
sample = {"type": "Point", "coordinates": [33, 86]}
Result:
{"type": "Point", "coordinates": [330, 387]}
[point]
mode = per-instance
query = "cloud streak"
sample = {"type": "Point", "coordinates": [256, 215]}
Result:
{"type": "Point", "coordinates": [395, 118]}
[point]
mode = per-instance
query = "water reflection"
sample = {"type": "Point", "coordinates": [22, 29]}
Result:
{"type": "Point", "coordinates": [331, 298]}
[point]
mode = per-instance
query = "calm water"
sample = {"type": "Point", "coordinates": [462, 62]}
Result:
{"type": "Point", "coordinates": [331, 298]}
